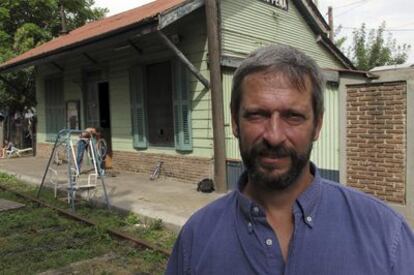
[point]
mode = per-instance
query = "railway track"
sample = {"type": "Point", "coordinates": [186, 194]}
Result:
{"type": "Point", "coordinates": [112, 232]}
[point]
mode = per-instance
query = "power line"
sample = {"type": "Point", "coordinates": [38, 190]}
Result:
{"type": "Point", "coordinates": [388, 30]}
{"type": "Point", "coordinates": [361, 3]}
{"type": "Point", "coordinates": [406, 24]}
{"type": "Point", "coordinates": [348, 5]}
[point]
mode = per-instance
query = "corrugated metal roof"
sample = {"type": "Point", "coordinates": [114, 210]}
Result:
{"type": "Point", "coordinates": [96, 29]}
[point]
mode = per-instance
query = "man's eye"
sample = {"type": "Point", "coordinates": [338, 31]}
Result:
{"type": "Point", "coordinates": [255, 116]}
{"type": "Point", "coordinates": [294, 118]}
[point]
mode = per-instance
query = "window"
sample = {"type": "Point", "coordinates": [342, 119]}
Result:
{"type": "Point", "coordinates": [54, 107]}
{"type": "Point", "coordinates": [161, 112]}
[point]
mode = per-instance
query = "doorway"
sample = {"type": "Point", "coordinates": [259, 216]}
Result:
{"type": "Point", "coordinates": [98, 113]}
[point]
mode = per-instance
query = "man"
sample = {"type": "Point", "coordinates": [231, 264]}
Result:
{"type": "Point", "coordinates": [284, 218]}
{"type": "Point", "coordinates": [82, 145]}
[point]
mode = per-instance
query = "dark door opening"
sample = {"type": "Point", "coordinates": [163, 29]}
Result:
{"type": "Point", "coordinates": [105, 118]}
{"type": "Point", "coordinates": [160, 105]}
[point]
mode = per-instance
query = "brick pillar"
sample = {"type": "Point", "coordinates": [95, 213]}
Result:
{"type": "Point", "coordinates": [376, 139]}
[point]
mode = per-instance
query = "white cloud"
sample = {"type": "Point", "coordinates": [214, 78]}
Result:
{"type": "Point", "coordinates": [120, 5]}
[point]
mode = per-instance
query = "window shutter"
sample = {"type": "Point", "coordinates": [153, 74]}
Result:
{"type": "Point", "coordinates": [136, 80]}
{"type": "Point", "coordinates": [182, 109]}
{"type": "Point", "coordinates": [54, 107]}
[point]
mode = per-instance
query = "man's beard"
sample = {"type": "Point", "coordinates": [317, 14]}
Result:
{"type": "Point", "coordinates": [265, 179]}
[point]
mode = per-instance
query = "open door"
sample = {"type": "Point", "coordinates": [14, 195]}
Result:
{"type": "Point", "coordinates": [98, 113]}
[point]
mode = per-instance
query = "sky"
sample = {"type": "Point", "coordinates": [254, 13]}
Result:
{"type": "Point", "coordinates": [349, 13]}
{"type": "Point", "coordinates": [352, 13]}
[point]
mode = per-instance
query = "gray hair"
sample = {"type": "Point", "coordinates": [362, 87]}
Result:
{"type": "Point", "coordinates": [292, 63]}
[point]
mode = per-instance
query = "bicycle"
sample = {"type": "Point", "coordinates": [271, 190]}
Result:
{"type": "Point", "coordinates": [156, 173]}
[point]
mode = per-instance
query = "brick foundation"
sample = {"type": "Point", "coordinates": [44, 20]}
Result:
{"type": "Point", "coordinates": [184, 168]}
{"type": "Point", "coordinates": [43, 150]}
{"type": "Point", "coordinates": [376, 139]}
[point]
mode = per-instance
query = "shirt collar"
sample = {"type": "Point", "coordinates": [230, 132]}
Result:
{"type": "Point", "coordinates": [305, 207]}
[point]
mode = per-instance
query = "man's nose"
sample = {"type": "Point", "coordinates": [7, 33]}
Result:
{"type": "Point", "coordinates": [274, 132]}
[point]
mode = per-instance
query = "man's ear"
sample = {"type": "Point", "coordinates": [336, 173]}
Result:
{"type": "Point", "coordinates": [318, 127]}
{"type": "Point", "coordinates": [235, 125]}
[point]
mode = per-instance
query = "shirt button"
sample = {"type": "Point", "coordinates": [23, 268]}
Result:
{"type": "Point", "coordinates": [256, 210]}
{"type": "Point", "coordinates": [269, 242]}
{"type": "Point", "coordinates": [309, 219]}
{"type": "Point", "coordinates": [250, 227]}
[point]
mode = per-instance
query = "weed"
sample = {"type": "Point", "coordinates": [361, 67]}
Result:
{"type": "Point", "coordinates": [35, 239]}
{"type": "Point", "coordinates": [132, 219]}
{"type": "Point", "coordinates": [155, 224]}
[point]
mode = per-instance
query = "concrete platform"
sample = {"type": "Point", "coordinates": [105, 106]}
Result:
{"type": "Point", "coordinates": [164, 198]}
{"type": "Point", "coordinates": [6, 205]}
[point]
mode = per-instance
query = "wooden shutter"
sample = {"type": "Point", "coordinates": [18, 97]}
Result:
{"type": "Point", "coordinates": [54, 107]}
{"type": "Point", "coordinates": [182, 109]}
{"type": "Point", "coordinates": [136, 79]}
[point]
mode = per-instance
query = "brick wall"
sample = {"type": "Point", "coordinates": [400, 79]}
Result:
{"type": "Point", "coordinates": [184, 168]}
{"type": "Point", "coordinates": [43, 150]}
{"type": "Point", "coordinates": [376, 139]}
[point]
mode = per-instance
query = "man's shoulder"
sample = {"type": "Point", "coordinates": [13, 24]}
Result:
{"type": "Point", "coordinates": [359, 201]}
{"type": "Point", "coordinates": [211, 214]}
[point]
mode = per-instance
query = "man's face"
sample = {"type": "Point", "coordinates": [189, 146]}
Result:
{"type": "Point", "coordinates": [276, 129]}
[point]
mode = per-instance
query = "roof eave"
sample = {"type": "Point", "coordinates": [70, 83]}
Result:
{"type": "Point", "coordinates": [147, 25]}
{"type": "Point", "coordinates": [318, 14]}
{"type": "Point", "coordinates": [321, 35]}
{"type": "Point", "coordinates": [366, 74]}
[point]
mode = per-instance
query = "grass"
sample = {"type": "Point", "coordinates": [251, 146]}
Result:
{"type": "Point", "coordinates": [35, 239]}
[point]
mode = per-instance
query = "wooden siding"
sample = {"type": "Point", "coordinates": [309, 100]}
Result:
{"type": "Point", "coordinates": [249, 24]}
{"type": "Point", "coordinates": [193, 43]}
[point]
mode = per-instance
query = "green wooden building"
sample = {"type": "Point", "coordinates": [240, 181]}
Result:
{"type": "Point", "coordinates": [143, 76]}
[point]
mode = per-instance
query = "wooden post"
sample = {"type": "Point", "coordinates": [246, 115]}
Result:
{"type": "Point", "coordinates": [216, 96]}
{"type": "Point", "coordinates": [331, 24]}
{"type": "Point", "coordinates": [183, 59]}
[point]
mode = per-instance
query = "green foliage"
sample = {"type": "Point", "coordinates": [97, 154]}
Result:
{"type": "Point", "coordinates": [155, 224]}
{"type": "Point", "coordinates": [28, 36]}
{"type": "Point", "coordinates": [27, 24]}
{"type": "Point", "coordinates": [370, 49]}
{"type": "Point", "coordinates": [132, 219]}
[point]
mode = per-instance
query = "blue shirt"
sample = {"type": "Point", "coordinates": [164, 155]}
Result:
{"type": "Point", "coordinates": [337, 230]}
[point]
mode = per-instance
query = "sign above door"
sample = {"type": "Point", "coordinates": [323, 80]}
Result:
{"type": "Point", "coordinates": [282, 4]}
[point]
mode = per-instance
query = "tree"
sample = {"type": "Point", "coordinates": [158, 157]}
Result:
{"type": "Point", "coordinates": [25, 25]}
{"type": "Point", "coordinates": [371, 49]}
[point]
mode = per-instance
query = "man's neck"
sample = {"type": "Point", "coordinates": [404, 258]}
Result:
{"type": "Point", "coordinates": [278, 206]}
{"type": "Point", "coordinates": [279, 200]}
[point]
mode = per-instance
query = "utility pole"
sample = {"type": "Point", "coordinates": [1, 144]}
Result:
{"type": "Point", "coordinates": [63, 18]}
{"type": "Point", "coordinates": [331, 24]}
{"type": "Point", "coordinates": [216, 96]}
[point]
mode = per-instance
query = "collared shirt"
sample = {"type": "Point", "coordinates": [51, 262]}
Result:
{"type": "Point", "coordinates": [337, 230]}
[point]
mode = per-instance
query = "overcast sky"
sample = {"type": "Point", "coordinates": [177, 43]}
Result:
{"type": "Point", "coordinates": [348, 13]}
